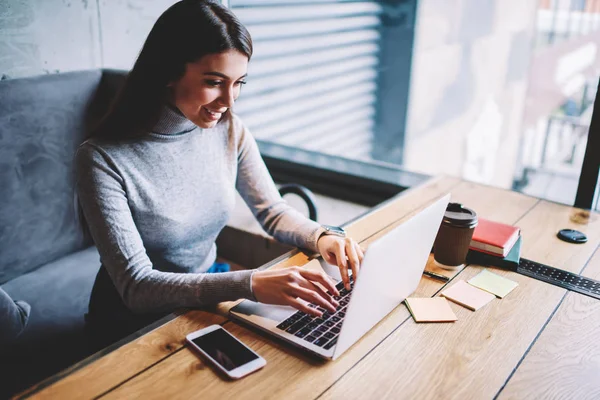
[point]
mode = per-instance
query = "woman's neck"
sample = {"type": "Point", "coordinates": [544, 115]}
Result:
{"type": "Point", "coordinates": [171, 121]}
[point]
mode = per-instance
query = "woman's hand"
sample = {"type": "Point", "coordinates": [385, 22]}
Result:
{"type": "Point", "coordinates": [287, 286]}
{"type": "Point", "coordinates": [339, 251]}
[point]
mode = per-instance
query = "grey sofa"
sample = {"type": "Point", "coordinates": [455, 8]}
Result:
{"type": "Point", "coordinates": [44, 258]}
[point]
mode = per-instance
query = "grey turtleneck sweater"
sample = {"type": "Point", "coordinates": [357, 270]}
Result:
{"type": "Point", "coordinates": [155, 206]}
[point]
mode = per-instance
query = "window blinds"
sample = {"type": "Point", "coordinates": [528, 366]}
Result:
{"type": "Point", "coordinates": [312, 82]}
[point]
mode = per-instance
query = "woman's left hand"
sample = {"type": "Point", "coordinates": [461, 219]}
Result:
{"type": "Point", "coordinates": [340, 251]}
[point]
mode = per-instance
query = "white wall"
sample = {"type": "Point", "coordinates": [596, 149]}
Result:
{"type": "Point", "coordinates": [50, 36]}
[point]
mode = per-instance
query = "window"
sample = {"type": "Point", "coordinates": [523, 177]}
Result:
{"type": "Point", "coordinates": [490, 92]}
{"type": "Point", "coordinates": [329, 82]}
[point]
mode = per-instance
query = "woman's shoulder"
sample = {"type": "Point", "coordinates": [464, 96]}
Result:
{"type": "Point", "coordinates": [95, 150]}
{"type": "Point", "coordinates": [90, 148]}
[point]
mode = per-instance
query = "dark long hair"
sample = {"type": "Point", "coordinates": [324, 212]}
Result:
{"type": "Point", "coordinates": [184, 33]}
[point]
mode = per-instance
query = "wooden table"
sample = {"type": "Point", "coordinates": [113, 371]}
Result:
{"type": "Point", "coordinates": [540, 341]}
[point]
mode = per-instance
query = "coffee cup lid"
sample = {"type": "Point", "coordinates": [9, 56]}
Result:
{"type": "Point", "coordinates": [459, 216]}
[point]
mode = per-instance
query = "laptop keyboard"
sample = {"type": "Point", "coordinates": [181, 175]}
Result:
{"type": "Point", "coordinates": [321, 331]}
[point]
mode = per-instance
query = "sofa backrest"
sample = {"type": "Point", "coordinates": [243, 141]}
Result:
{"type": "Point", "coordinates": [42, 121]}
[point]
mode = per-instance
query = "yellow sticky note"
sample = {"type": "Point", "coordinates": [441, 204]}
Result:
{"type": "Point", "coordinates": [430, 309]}
{"type": "Point", "coordinates": [468, 296]}
{"type": "Point", "coordinates": [493, 283]}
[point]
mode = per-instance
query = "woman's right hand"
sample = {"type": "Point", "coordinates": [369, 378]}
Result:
{"type": "Point", "coordinates": [290, 286]}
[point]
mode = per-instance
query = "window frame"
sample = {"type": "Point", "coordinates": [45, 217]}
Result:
{"type": "Point", "coordinates": [587, 188]}
{"type": "Point", "coordinates": [364, 182]}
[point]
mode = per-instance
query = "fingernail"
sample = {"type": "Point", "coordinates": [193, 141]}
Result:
{"type": "Point", "coordinates": [335, 290]}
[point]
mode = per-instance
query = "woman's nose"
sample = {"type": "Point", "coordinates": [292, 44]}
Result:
{"type": "Point", "coordinates": [227, 98]}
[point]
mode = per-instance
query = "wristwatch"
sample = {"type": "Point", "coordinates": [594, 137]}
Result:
{"type": "Point", "coordinates": [333, 230]}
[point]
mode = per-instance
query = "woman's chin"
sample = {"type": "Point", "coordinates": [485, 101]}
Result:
{"type": "Point", "coordinates": [205, 124]}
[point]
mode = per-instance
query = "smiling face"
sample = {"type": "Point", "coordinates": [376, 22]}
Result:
{"type": "Point", "coordinates": [210, 86]}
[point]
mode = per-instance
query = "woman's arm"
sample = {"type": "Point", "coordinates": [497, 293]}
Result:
{"type": "Point", "coordinates": [255, 185]}
{"type": "Point", "coordinates": [103, 198]}
{"type": "Point", "coordinates": [279, 219]}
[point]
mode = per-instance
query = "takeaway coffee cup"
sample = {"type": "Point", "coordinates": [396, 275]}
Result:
{"type": "Point", "coordinates": [454, 236]}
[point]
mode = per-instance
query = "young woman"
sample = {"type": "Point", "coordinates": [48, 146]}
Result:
{"type": "Point", "coordinates": [156, 183]}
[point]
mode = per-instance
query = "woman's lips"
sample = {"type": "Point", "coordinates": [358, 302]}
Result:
{"type": "Point", "coordinates": [212, 115]}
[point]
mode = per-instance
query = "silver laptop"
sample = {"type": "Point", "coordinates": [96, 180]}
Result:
{"type": "Point", "coordinates": [391, 271]}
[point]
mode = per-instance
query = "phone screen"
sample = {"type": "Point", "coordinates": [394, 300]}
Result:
{"type": "Point", "coordinates": [224, 349]}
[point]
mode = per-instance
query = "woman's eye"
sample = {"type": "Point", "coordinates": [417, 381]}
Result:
{"type": "Point", "coordinates": [240, 83]}
{"type": "Point", "coordinates": [211, 82]}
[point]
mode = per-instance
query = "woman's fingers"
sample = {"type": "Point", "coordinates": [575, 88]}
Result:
{"type": "Point", "coordinates": [304, 287]}
{"type": "Point", "coordinates": [322, 293]}
{"type": "Point", "coordinates": [312, 297]}
{"type": "Point", "coordinates": [360, 252]}
{"type": "Point", "coordinates": [330, 258]}
{"type": "Point", "coordinates": [300, 306]}
{"type": "Point", "coordinates": [353, 257]}
{"type": "Point", "coordinates": [320, 277]}
{"type": "Point", "coordinates": [340, 255]}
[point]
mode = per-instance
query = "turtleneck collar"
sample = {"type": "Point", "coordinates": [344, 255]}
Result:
{"type": "Point", "coordinates": [172, 122]}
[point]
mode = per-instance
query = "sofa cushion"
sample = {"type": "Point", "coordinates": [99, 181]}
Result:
{"type": "Point", "coordinates": [54, 338]}
{"type": "Point", "coordinates": [58, 293]}
{"type": "Point", "coordinates": [42, 121]}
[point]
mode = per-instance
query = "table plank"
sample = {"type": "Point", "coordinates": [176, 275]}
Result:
{"type": "Point", "coordinates": [564, 362]}
{"type": "Point", "coordinates": [91, 380]}
{"type": "Point", "coordinates": [286, 367]}
{"type": "Point", "coordinates": [473, 357]}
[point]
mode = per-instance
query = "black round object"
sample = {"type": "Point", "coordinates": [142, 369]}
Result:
{"type": "Point", "coordinates": [571, 236]}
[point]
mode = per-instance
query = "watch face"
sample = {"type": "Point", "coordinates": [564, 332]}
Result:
{"type": "Point", "coordinates": [336, 230]}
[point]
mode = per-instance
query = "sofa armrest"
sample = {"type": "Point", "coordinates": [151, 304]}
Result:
{"type": "Point", "coordinates": [305, 194]}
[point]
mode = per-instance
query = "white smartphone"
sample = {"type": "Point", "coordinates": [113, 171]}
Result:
{"type": "Point", "coordinates": [227, 353]}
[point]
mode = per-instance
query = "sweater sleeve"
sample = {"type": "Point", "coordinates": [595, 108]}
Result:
{"type": "Point", "coordinates": [102, 195]}
{"type": "Point", "coordinates": [255, 185]}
